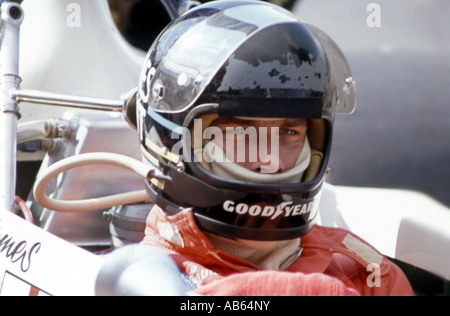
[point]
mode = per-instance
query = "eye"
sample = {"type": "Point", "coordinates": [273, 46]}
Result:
{"type": "Point", "coordinates": [288, 132]}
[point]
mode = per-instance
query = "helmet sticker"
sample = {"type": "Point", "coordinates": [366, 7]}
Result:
{"type": "Point", "coordinates": [285, 209]}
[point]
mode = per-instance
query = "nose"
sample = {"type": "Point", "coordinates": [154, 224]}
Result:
{"type": "Point", "coordinates": [268, 159]}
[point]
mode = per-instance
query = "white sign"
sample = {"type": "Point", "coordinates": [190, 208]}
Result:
{"type": "Point", "coordinates": [43, 261]}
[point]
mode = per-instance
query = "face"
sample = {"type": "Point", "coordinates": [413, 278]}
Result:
{"type": "Point", "coordinates": [262, 145]}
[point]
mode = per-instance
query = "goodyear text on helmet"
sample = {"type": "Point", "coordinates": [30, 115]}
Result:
{"type": "Point", "coordinates": [286, 208]}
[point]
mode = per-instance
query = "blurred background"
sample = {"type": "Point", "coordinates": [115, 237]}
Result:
{"type": "Point", "coordinates": [399, 51]}
{"type": "Point", "coordinates": [399, 136]}
{"type": "Point", "coordinates": [140, 21]}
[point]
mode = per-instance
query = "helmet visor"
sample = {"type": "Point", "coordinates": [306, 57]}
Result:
{"type": "Point", "coordinates": [186, 58]}
{"type": "Point", "coordinates": [340, 72]}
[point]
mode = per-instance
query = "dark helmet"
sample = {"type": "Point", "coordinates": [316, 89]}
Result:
{"type": "Point", "coordinates": [239, 59]}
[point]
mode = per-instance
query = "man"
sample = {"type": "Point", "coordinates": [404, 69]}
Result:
{"type": "Point", "coordinates": [236, 105]}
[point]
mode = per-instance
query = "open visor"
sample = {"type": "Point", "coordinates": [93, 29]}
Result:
{"type": "Point", "coordinates": [340, 72]}
{"type": "Point", "coordinates": [187, 57]}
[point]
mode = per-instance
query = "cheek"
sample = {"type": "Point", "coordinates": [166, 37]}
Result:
{"type": "Point", "coordinates": [289, 153]}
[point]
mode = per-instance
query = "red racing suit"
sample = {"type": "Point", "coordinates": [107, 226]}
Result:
{"type": "Point", "coordinates": [333, 262]}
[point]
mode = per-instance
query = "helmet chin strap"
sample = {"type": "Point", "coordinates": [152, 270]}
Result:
{"type": "Point", "coordinates": [230, 170]}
